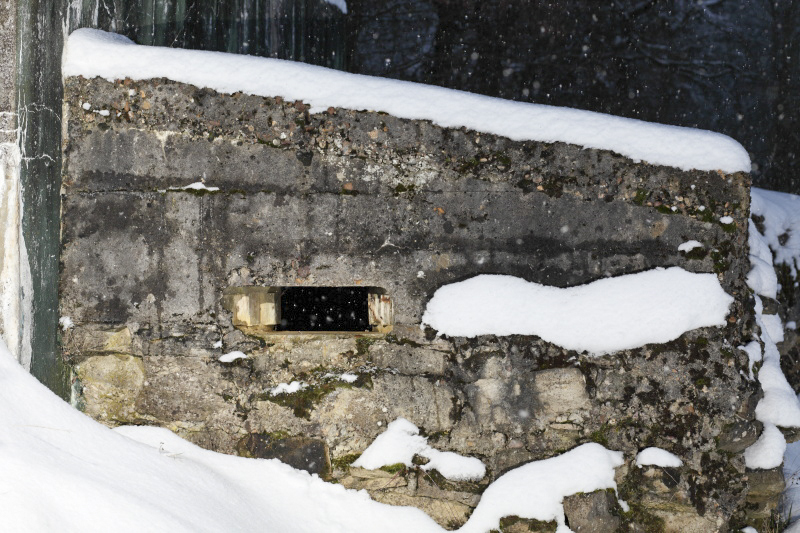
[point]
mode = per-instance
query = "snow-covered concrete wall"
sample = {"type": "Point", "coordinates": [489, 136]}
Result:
{"type": "Point", "coordinates": [365, 199]}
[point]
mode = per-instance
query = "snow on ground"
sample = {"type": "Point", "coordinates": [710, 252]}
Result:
{"type": "Point", "coordinates": [62, 471]}
{"type": "Point", "coordinates": [657, 457]}
{"type": "Point", "coordinates": [601, 317]}
{"type": "Point", "coordinates": [91, 53]}
{"type": "Point", "coordinates": [401, 442]}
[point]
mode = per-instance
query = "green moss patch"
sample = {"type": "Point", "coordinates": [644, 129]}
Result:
{"type": "Point", "coordinates": [344, 462]}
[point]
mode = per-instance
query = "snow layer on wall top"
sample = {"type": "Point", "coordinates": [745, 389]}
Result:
{"type": "Point", "coordinates": [94, 53]}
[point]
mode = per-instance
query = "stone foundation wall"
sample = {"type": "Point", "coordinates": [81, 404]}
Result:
{"type": "Point", "coordinates": [356, 198]}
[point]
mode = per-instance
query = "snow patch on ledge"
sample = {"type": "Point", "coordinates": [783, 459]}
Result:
{"type": "Point", "coordinates": [688, 246]}
{"type": "Point", "coordinates": [287, 388]}
{"type": "Point", "coordinates": [401, 442]}
{"type": "Point", "coordinates": [601, 317]}
{"type": "Point", "coordinates": [91, 53]}
{"type": "Point", "coordinates": [230, 357]}
{"type": "Point", "coordinates": [657, 457]}
{"type": "Point", "coordinates": [196, 186]}
{"type": "Point", "coordinates": [768, 450]}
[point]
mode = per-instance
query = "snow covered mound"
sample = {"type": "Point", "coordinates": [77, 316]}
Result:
{"type": "Point", "coordinates": [602, 317]}
{"type": "Point", "coordinates": [92, 53]}
{"type": "Point", "coordinates": [768, 450]}
{"type": "Point", "coordinates": [536, 490]}
{"type": "Point", "coordinates": [401, 441]}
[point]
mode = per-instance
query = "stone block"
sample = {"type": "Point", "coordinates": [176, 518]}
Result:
{"type": "Point", "coordinates": [560, 391]}
{"type": "Point", "coordinates": [111, 385]}
{"type": "Point", "coordinates": [408, 358]}
{"type": "Point", "coordinates": [765, 484]}
{"type": "Point", "coordinates": [99, 339]}
{"type": "Point", "coordinates": [252, 307]}
{"type": "Point", "coordinates": [381, 312]}
{"type": "Point", "coordinates": [515, 524]}
{"type": "Point", "coordinates": [446, 513]}
{"type": "Point", "coordinates": [360, 478]}
{"type": "Point", "coordinates": [302, 453]}
{"type": "Point", "coordinates": [739, 435]}
{"type": "Point", "coordinates": [685, 519]}
{"type": "Point", "coordinates": [427, 404]}
{"type": "Point", "coordinates": [301, 353]}
{"type": "Point", "coordinates": [592, 512]}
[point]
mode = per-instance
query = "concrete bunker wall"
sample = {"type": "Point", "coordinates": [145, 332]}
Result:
{"type": "Point", "coordinates": [353, 198]}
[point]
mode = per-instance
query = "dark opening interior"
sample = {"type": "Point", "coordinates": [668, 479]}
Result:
{"type": "Point", "coordinates": [324, 309]}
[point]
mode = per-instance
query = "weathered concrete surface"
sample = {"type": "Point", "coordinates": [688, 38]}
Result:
{"type": "Point", "coordinates": [8, 71]}
{"type": "Point", "coordinates": [346, 198]}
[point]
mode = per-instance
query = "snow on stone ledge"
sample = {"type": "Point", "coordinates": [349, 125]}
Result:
{"type": "Point", "coordinates": [601, 317]}
{"type": "Point", "coordinates": [230, 357]}
{"type": "Point", "coordinates": [768, 450]}
{"type": "Point", "coordinates": [92, 53]}
{"type": "Point", "coordinates": [657, 457]}
{"type": "Point", "coordinates": [762, 277]}
{"type": "Point", "coordinates": [401, 441]}
{"type": "Point", "coordinates": [536, 490]}
{"type": "Point", "coordinates": [688, 246]}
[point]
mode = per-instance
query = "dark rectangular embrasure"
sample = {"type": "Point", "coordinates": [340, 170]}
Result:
{"type": "Point", "coordinates": [324, 309]}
